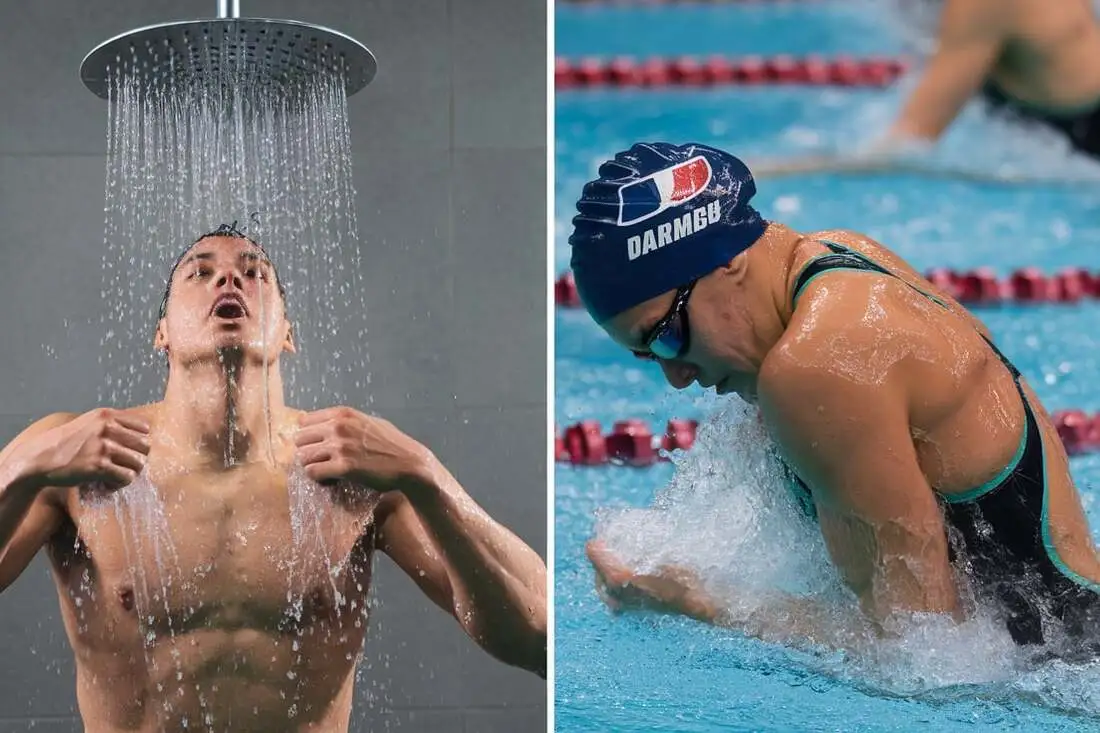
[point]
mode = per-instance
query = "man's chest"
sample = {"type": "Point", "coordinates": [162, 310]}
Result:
{"type": "Point", "coordinates": [245, 546]}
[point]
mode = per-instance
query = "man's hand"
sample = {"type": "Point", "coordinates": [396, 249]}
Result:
{"type": "Point", "coordinates": [342, 444]}
{"type": "Point", "coordinates": [103, 446]}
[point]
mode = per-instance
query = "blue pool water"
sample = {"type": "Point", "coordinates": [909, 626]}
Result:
{"type": "Point", "coordinates": [645, 672]}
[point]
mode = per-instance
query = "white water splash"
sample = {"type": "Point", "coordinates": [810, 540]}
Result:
{"type": "Point", "coordinates": [728, 515]}
{"type": "Point", "coordinates": [726, 503]}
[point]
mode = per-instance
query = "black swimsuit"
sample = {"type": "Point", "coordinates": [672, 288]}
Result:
{"type": "Point", "coordinates": [1081, 128]}
{"type": "Point", "coordinates": [1000, 530]}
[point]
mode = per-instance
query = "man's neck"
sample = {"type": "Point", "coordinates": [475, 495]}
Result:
{"type": "Point", "coordinates": [222, 414]}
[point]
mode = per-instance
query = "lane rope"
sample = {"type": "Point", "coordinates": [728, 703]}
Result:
{"type": "Point", "coordinates": [632, 443]}
{"type": "Point", "coordinates": [981, 286]}
{"type": "Point", "coordinates": [719, 70]}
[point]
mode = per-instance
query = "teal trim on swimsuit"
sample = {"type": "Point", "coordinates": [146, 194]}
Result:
{"type": "Point", "coordinates": [849, 250]}
{"type": "Point", "coordinates": [1048, 541]}
{"type": "Point", "coordinates": [996, 480]}
{"type": "Point", "coordinates": [794, 298]}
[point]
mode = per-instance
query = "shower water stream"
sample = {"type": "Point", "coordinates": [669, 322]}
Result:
{"type": "Point", "coordinates": [216, 135]}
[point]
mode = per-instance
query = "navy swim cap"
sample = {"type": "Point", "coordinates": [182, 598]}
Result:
{"type": "Point", "coordinates": [659, 216]}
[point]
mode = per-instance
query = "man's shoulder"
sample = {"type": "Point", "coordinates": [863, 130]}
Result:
{"type": "Point", "coordinates": [57, 419]}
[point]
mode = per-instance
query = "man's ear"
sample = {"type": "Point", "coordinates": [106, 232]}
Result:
{"type": "Point", "coordinates": [160, 337]}
{"type": "Point", "coordinates": [288, 342]}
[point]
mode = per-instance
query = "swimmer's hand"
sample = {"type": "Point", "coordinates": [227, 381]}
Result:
{"type": "Point", "coordinates": [342, 444]}
{"type": "Point", "coordinates": [670, 589]}
{"type": "Point", "coordinates": [104, 446]}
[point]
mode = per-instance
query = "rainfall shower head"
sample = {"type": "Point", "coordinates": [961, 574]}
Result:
{"type": "Point", "coordinates": [282, 51]}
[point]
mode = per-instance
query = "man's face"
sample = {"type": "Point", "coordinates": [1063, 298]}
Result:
{"type": "Point", "coordinates": [224, 300]}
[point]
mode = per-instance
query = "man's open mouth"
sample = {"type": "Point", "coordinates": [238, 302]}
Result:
{"type": "Point", "coordinates": [229, 307]}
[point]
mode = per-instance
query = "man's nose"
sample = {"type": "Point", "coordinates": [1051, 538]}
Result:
{"type": "Point", "coordinates": [229, 276]}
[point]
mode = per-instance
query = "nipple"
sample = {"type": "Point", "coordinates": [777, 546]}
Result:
{"type": "Point", "coordinates": [126, 598]}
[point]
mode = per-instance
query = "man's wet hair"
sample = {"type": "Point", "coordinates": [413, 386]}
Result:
{"type": "Point", "coordinates": [225, 230]}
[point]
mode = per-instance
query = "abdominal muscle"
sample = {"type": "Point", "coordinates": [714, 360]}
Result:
{"type": "Point", "coordinates": [228, 627]}
{"type": "Point", "coordinates": [217, 680]}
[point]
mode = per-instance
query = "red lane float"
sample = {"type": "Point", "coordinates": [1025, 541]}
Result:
{"type": "Point", "coordinates": [972, 287]}
{"type": "Point", "coordinates": [631, 442]}
{"type": "Point", "coordinates": [718, 70]}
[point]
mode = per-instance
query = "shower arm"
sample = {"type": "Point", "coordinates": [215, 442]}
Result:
{"type": "Point", "coordinates": [229, 8]}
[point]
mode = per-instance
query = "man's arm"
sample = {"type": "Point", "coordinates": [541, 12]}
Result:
{"type": "Point", "coordinates": [971, 36]}
{"type": "Point", "coordinates": [29, 514]}
{"type": "Point", "coordinates": [471, 566]}
{"type": "Point", "coordinates": [849, 440]}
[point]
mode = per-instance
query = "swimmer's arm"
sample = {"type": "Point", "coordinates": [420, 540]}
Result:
{"type": "Point", "coordinates": [471, 566]}
{"type": "Point", "coordinates": [779, 617]}
{"type": "Point", "coordinates": [29, 513]}
{"type": "Point", "coordinates": [848, 439]}
{"type": "Point", "coordinates": [970, 39]}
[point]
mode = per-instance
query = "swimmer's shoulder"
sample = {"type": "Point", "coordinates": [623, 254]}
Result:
{"type": "Point", "coordinates": [845, 327]}
{"type": "Point", "coordinates": [823, 329]}
{"type": "Point", "coordinates": [858, 241]}
{"type": "Point", "coordinates": [906, 275]}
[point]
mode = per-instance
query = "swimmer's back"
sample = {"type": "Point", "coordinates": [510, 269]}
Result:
{"type": "Point", "coordinates": [1051, 56]}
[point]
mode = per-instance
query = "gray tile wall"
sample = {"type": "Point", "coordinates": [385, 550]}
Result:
{"type": "Point", "coordinates": [450, 154]}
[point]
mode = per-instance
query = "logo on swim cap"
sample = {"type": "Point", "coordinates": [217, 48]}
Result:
{"type": "Point", "coordinates": [670, 232]}
{"type": "Point", "coordinates": [656, 217]}
{"type": "Point", "coordinates": [639, 200]}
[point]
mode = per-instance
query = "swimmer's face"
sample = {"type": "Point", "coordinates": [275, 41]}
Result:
{"type": "Point", "coordinates": [721, 353]}
{"type": "Point", "coordinates": [224, 300]}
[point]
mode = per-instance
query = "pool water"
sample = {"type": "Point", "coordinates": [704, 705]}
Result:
{"type": "Point", "coordinates": [719, 510]}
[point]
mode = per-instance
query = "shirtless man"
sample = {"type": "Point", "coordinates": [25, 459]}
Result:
{"type": "Point", "coordinates": [212, 551]}
{"type": "Point", "coordinates": [900, 422]}
{"type": "Point", "coordinates": [1037, 59]}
